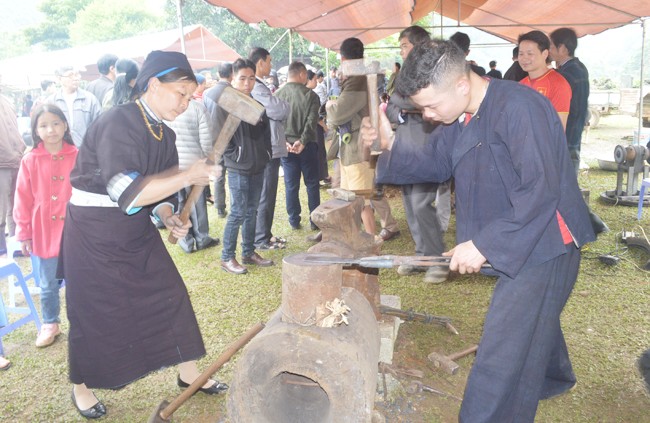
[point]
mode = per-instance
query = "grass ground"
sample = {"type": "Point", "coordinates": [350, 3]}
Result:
{"type": "Point", "coordinates": [606, 323]}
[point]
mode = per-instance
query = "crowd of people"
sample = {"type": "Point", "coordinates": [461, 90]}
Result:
{"type": "Point", "coordinates": [113, 161]}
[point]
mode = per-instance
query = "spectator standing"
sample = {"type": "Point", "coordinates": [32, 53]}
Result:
{"type": "Point", "coordinates": [42, 193]}
{"type": "Point", "coordinates": [515, 72]}
{"type": "Point", "coordinates": [534, 59]}
{"type": "Point", "coordinates": [200, 79]}
{"type": "Point", "coordinates": [462, 40]}
{"type": "Point", "coordinates": [80, 107]}
{"type": "Point", "coordinates": [563, 46]}
{"type": "Point", "coordinates": [120, 92]}
{"type": "Point", "coordinates": [225, 79]}
{"type": "Point", "coordinates": [418, 199]}
{"type": "Point", "coordinates": [333, 83]}
{"type": "Point", "coordinates": [100, 86]}
{"type": "Point", "coordinates": [494, 73]}
{"type": "Point", "coordinates": [277, 111]}
{"type": "Point", "coordinates": [27, 105]}
{"type": "Point", "coordinates": [245, 158]}
{"type": "Point", "coordinates": [321, 87]}
{"type": "Point", "coordinates": [390, 86]}
{"type": "Point", "coordinates": [48, 88]}
{"type": "Point", "coordinates": [345, 113]}
{"type": "Point", "coordinates": [11, 153]}
{"type": "Point", "coordinates": [301, 143]}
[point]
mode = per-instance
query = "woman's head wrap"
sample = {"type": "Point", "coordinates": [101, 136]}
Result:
{"type": "Point", "coordinates": [159, 63]}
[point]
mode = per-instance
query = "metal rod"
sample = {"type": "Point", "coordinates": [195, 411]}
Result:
{"type": "Point", "coordinates": [638, 138]}
{"type": "Point", "coordinates": [179, 16]}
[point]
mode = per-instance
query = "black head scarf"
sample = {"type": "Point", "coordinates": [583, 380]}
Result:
{"type": "Point", "coordinates": [159, 63]}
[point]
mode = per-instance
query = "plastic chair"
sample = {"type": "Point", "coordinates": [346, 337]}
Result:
{"type": "Point", "coordinates": [644, 184]}
{"type": "Point", "coordinates": [9, 269]}
{"type": "Point", "coordinates": [13, 245]}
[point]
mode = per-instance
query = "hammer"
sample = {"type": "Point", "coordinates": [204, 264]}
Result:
{"type": "Point", "coordinates": [416, 387]}
{"type": "Point", "coordinates": [240, 107]}
{"type": "Point", "coordinates": [448, 363]}
{"type": "Point", "coordinates": [355, 67]}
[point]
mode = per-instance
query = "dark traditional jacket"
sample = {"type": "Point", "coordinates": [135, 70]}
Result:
{"type": "Point", "coordinates": [578, 77]}
{"type": "Point", "coordinates": [512, 172]}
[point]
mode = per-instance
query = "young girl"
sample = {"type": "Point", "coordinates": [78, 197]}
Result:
{"type": "Point", "coordinates": [42, 193]}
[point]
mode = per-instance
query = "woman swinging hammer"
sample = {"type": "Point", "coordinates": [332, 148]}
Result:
{"type": "Point", "coordinates": [129, 310]}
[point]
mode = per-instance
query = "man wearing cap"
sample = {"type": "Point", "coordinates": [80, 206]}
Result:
{"type": "Point", "coordinates": [80, 107]}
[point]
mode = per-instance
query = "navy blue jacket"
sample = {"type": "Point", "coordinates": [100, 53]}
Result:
{"type": "Point", "coordinates": [577, 76]}
{"type": "Point", "coordinates": [512, 173]}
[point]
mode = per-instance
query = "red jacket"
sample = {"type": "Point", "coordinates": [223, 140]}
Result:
{"type": "Point", "coordinates": [42, 193]}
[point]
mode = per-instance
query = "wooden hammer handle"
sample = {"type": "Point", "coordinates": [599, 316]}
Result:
{"type": "Point", "coordinates": [463, 353]}
{"type": "Point", "coordinates": [227, 131]}
{"type": "Point", "coordinates": [207, 373]}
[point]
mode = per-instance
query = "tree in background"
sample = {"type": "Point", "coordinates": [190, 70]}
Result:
{"type": "Point", "coordinates": [110, 20]}
{"type": "Point", "coordinates": [53, 33]}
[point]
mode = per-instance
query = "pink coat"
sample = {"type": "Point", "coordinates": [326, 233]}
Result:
{"type": "Point", "coordinates": [42, 193]}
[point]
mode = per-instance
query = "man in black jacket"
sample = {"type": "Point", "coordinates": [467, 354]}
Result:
{"type": "Point", "coordinates": [245, 157]}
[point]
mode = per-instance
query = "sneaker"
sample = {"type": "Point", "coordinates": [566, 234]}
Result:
{"type": "Point", "coordinates": [436, 275]}
{"type": "Point", "coordinates": [47, 335]}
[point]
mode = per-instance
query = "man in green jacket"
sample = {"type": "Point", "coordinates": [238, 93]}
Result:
{"type": "Point", "coordinates": [345, 113]}
{"type": "Point", "coordinates": [300, 130]}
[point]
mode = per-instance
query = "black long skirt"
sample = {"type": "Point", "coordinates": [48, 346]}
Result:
{"type": "Point", "coordinates": [128, 307]}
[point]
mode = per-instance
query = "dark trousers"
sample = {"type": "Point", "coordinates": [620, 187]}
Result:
{"type": "Point", "coordinates": [220, 191]}
{"type": "Point", "coordinates": [522, 357]}
{"type": "Point", "coordinates": [198, 233]}
{"type": "Point", "coordinates": [323, 171]}
{"type": "Point", "coordinates": [244, 200]}
{"type": "Point", "coordinates": [422, 218]}
{"type": "Point", "coordinates": [266, 209]}
{"type": "Point", "coordinates": [305, 163]}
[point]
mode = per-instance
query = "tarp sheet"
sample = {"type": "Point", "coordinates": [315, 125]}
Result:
{"type": "Point", "coordinates": [329, 22]}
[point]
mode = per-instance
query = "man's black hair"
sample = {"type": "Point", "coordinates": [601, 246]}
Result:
{"type": "Point", "coordinates": [296, 67]}
{"type": "Point", "coordinates": [398, 65]}
{"type": "Point", "coordinates": [515, 52]}
{"type": "Point", "coordinates": [432, 63]}
{"type": "Point", "coordinates": [566, 37]}
{"type": "Point", "coordinates": [239, 64]}
{"type": "Point", "coordinates": [105, 62]}
{"type": "Point", "coordinates": [493, 63]}
{"type": "Point", "coordinates": [415, 34]}
{"type": "Point", "coordinates": [45, 84]}
{"type": "Point", "coordinates": [352, 48]}
{"type": "Point", "coordinates": [462, 40]}
{"type": "Point", "coordinates": [225, 70]}
{"type": "Point", "coordinates": [257, 54]}
{"type": "Point", "coordinates": [538, 37]}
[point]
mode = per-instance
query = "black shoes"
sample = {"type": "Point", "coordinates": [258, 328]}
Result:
{"type": "Point", "coordinates": [94, 412]}
{"type": "Point", "coordinates": [216, 388]}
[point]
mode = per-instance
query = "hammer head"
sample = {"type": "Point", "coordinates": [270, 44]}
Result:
{"type": "Point", "coordinates": [444, 362]}
{"type": "Point", "coordinates": [240, 105]}
{"type": "Point", "coordinates": [360, 67]}
{"type": "Point", "coordinates": [342, 194]}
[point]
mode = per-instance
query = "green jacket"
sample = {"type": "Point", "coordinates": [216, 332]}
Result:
{"type": "Point", "coordinates": [350, 107]}
{"type": "Point", "coordinates": [303, 112]}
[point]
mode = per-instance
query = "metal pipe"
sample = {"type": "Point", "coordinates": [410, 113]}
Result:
{"type": "Point", "coordinates": [643, 25]}
{"type": "Point", "coordinates": [179, 16]}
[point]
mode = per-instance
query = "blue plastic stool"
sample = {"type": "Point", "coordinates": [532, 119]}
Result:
{"type": "Point", "coordinates": [9, 268]}
{"type": "Point", "coordinates": [644, 184]}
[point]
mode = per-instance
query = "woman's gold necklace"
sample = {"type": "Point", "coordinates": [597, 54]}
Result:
{"type": "Point", "coordinates": [159, 137]}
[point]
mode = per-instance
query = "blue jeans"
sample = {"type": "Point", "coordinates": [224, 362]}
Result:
{"type": "Point", "coordinates": [50, 301]}
{"type": "Point", "coordinates": [293, 165]}
{"type": "Point", "coordinates": [245, 193]}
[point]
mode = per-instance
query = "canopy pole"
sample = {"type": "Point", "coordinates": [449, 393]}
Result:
{"type": "Point", "coordinates": [179, 16]}
{"type": "Point", "coordinates": [279, 39]}
{"type": "Point", "coordinates": [327, 70]}
{"type": "Point", "coordinates": [643, 25]}
{"type": "Point", "coordinates": [290, 46]}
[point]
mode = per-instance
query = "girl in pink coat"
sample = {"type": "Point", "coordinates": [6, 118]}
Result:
{"type": "Point", "coordinates": [42, 193]}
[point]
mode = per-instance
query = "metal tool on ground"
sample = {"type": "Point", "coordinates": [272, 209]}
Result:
{"type": "Point", "coordinates": [448, 363]}
{"type": "Point", "coordinates": [416, 387]}
{"type": "Point", "coordinates": [164, 411]}
{"type": "Point", "coordinates": [410, 315]}
{"type": "Point", "coordinates": [385, 262]}
{"type": "Point", "coordinates": [240, 107]}
{"type": "Point", "coordinates": [358, 67]}
{"type": "Point", "coordinates": [342, 194]}
{"type": "Point", "coordinates": [397, 371]}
